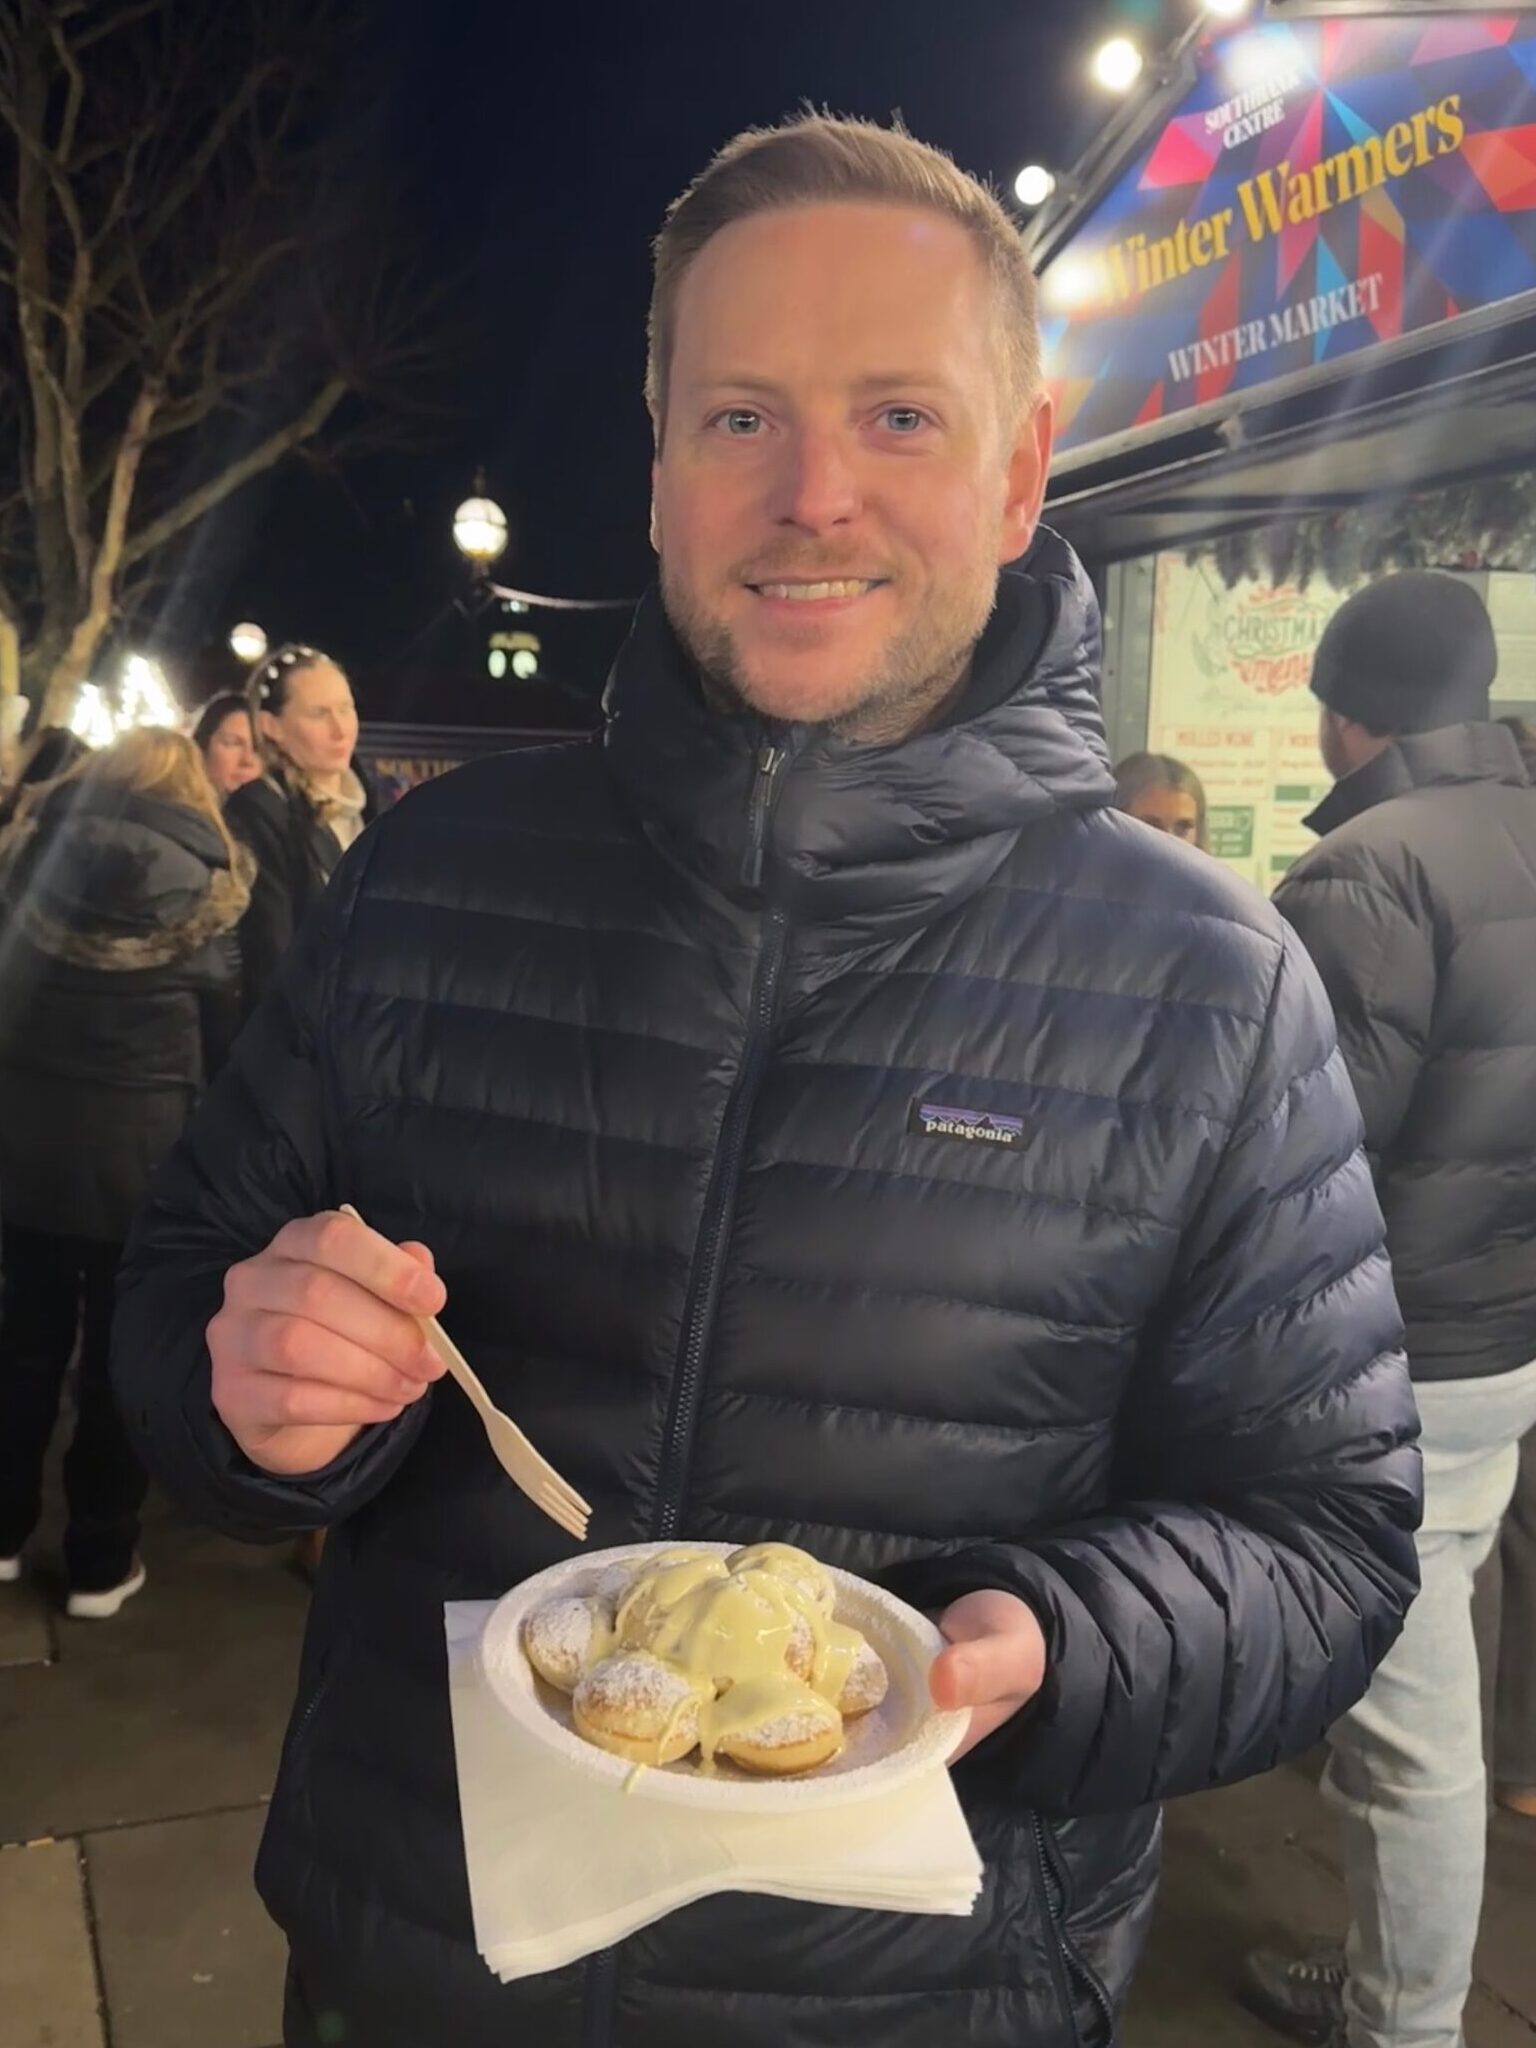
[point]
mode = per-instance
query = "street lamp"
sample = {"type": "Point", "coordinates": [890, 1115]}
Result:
{"type": "Point", "coordinates": [1034, 185]}
{"type": "Point", "coordinates": [1118, 64]}
{"type": "Point", "coordinates": [247, 642]}
{"type": "Point", "coordinates": [480, 531]}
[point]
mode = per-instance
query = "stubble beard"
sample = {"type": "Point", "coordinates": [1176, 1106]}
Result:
{"type": "Point", "coordinates": [920, 670]}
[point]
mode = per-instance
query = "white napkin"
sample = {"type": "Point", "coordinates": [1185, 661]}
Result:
{"type": "Point", "coordinates": [561, 1866]}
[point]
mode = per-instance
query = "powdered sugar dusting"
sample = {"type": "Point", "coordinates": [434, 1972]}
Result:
{"type": "Point", "coordinates": [632, 1684]}
{"type": "Point", "coordinates": [784, 1732]}
{"type": "Point", "coordinates": [563, 1629]}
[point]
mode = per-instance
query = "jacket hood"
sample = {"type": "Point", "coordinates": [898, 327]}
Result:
{"type": "Point", "coordinates": [870, 838]}
{"type": "Point", "coordinates": [1476, 752]}
{"type": "Point", "coordinates": [108, 878]}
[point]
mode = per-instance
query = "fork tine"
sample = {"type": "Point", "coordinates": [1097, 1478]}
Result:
{"type": "Point", "coordinates": [541, 1471]}
{"type": "Point", "coordinates": [569, 1497]}
{"type": "Point", "coordinates": [548, 1498]}
{"type": "Point", "coordinates": [571, 1524]}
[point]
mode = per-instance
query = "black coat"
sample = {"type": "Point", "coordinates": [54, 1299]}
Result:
{"type": "Point", "coordinates": [1419, 908]}
{"type": "Point", "coordinates": [296, 854]}
{"type": "Point", "coordinates": [1133, 1357]}
{"type": "Point", "coordinates": [118, 977]}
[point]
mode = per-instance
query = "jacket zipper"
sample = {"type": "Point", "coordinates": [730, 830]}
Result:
{"type": "Point", "coordinates": [601, 1982]}
{"type": "Point", "coordinates": [1066, 1961]}
{"type": "Point", "coordinates": [770, 765]}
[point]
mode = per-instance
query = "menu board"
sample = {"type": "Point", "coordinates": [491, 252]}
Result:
{"type": "Point", "coordinates": [1230, 696]}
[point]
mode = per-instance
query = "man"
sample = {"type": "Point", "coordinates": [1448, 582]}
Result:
{"type": "Point", "coordinates": [671, 1049]}
{"type": "Point", "coordinates": [1419, 908]}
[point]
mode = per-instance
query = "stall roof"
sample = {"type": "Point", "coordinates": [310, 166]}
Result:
{"type": "Point", "coordinates": [1465, 410]}
{"type": "Point", "coordinates": [1450, 394]}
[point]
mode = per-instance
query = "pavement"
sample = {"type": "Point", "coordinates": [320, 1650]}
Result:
{"type": "Point", "coordinates": [136, 1757]}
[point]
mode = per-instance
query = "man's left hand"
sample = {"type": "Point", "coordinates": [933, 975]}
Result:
{"type": "Point", "coordinates": [994, 1665]}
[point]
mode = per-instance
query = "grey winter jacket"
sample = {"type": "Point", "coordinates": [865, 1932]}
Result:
{"type": "Point", "coordinates": [1419, 908]}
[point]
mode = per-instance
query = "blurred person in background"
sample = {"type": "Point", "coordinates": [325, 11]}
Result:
{"type": "Point", "coordinates": [1514, 1735]}
{"type": "Point", "coordinates": [1524, 730]}
{"type": "Point", "coordinates": [119, 894]}
{"type": "Point", "coordinates": [1164, 794]}
{"type": "Point", "coordinates": [226, 739]}
{"type": "Point", "coordinates": [306, 808]}
{"type": "Point", "coordinates": [1419, 910]}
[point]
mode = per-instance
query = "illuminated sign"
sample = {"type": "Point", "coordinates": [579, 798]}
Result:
{"type": "Point", "coordinates": [1325, 186]}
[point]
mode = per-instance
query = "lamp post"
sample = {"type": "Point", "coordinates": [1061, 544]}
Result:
{"type": "Point", "coordinates": [480, 530]}
{"type": "Point", "coordinates": [247, 642]}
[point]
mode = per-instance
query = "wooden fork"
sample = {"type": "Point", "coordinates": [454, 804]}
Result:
{"type": "Point", "coordinates": [523, 1465]}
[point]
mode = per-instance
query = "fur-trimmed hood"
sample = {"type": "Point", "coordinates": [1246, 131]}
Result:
{"type": "Point", "coordinates": [120, 882]}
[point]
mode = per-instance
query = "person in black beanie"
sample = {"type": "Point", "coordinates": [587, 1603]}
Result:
{"type": "Point", "coordinates": [1419, 909]}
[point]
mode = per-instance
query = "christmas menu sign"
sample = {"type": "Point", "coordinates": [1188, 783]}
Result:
{"type": "Point", "coordinates": [1325, 186]}
{"type": "Point", "coordinates": [1231, 697]}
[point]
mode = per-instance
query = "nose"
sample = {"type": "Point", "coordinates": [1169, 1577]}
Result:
{"type": "Point", "coordinates": [818, 487]}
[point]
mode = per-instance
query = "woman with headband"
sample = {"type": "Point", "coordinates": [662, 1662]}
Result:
{"type": "Point", "coordinates": [302, 813]}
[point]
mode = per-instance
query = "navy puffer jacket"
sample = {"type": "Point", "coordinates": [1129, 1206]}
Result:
{"type": "Point", "coordinates": [640, 1037]}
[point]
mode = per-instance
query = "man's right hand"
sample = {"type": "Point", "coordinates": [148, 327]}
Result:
{"type": "Point", "coordinates": [318, 1338]}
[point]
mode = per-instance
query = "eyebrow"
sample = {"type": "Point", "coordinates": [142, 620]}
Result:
{"type": "Point", "coordinates": [877, 380]}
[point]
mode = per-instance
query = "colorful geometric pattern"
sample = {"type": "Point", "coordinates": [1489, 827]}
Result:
{"type": "Point", "coordinates": [1326, 185]}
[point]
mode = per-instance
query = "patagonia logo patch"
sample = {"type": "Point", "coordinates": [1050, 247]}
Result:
{"type": "Point", "coordinates": [970, 1126]}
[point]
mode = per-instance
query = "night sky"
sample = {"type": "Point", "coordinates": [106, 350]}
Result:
{"type": "Point", "coordinates": [545, 143]}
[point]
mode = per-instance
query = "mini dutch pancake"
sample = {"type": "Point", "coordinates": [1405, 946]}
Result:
{"type": "Point", "coordinates": [636, 1707]}
{"type": "Point", "coordinates": [564, 1638]}
{"type": "Point", "coordinates": [662, 1584]}
{"type": "Point", "coordinates": [866, 1684]}
{"type": "Point", "coordinates": [797, 1567]}
{"type": "Point", "coordinates": [775, 1728]}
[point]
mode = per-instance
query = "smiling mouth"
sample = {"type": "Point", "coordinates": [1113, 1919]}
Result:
{"type": "Point", "coordinates": [819, 593]}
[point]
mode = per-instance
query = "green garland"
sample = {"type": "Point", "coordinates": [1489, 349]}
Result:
{"type": "Point", "coordinates": [1487, 524]}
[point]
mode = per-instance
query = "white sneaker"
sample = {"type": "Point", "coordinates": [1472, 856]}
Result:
{"type": "Point", "coordinates": [10, 1570]}
{"type": "Point", "coordinates": [102, 1606]}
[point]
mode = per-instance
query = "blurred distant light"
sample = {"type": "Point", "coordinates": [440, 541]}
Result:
{"type": "Point", "coordinates": [91, 719]}
{"type": "Point", "coordinates": [480, 531]}
{"type": "Point", "coordinates": [1070, 284]}
{"type": "Point", "coordinates": [247, 642]}
{"type": "Point", "coordinates": [525, 663]}
{"type": "Point", "coordinates": [1118, 64]}
{"type": "Point", "coordinates": [1227, 10]}
{"type": "Point", "coordinates": [496, 662]}
{"type": "Point", "coordinates": [1034, 185]}
{"type": "Point", "coordinates": [144, 697]}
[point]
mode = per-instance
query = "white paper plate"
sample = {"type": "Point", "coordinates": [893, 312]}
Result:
{"type": "Point", "coordinates": [901, 1738]}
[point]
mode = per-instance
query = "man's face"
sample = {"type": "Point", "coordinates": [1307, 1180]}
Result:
{"type": "Point", "coordinates": [840, 476]}
{"type": "Point", "coordinates": [1333, 744]}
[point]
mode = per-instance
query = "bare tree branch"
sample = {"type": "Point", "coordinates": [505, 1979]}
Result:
{"type": "Point", "coordinates": [190, 293]}
{"type": "Point", "coordinates": [261, 458]}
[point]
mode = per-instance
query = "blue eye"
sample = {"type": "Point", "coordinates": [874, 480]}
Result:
{"type": "Point", "coordinates": [904, 419]}
{"type": "Point", "coordinates": [740, 423]}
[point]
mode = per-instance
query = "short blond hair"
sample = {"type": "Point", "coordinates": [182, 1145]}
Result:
{"type": "Point", "coordinates": [823, 159]}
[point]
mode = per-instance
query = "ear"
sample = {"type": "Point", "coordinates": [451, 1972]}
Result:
{"type": "Point", "coordinates": [267, 725]}
{"type": "Point", "coordinates": [655, 507]}
{"type": "Point", "coordinates": [1028, 467]}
